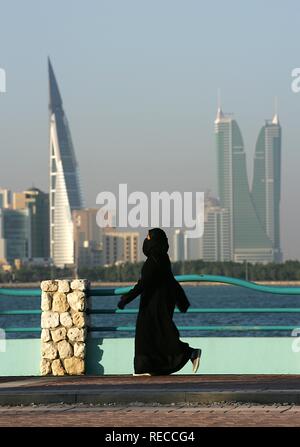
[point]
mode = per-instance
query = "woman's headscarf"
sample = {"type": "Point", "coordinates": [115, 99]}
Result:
{"type": "Point", "coordinates": [157, 244]}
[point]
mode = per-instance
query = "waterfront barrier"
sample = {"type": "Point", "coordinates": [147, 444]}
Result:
{"type": "Point", "coordinates": [68, 346]}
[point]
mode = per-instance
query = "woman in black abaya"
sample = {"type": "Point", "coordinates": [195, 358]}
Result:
{"type": "Point", "coordinates": [158, 349]}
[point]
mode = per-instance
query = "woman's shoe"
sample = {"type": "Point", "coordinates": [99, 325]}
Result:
{"type": "Point", "coordinates": [195, 358]}
{"type": "Point", "coordinates": [143, 374]}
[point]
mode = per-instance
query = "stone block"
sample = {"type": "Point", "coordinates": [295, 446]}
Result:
{"type": "Point", "coordinates": [76, 300]}
{"type": "Point", "coordinates": [45, 335]}
{"type": "Point", "coordinates": [59, 334]}
{"type": "Point", "coordinates": [74, 366]}
{"type": "Point", "coordinates": [57, 368]}
{"type": "Point", "coordinates": [49, 350]}
{"type": "Point", "coordinates": [76, 334]}
{"type": "Point", "coordinates": [46, 302]}
{"type": "Point", "coordinates": [79, 350]}
{"type": "Point", "coordinates": [66, 319]}
{"type": "Point", "coordinates": [49, 320]}
{"type": "Point", "coordinates": [80, 284]}
{"type": "Point", "coordinates": [45, 367]}
{"type": "Point", "coordinates": [49, 286]}
{"type": "Point", "coordinates": [60, 303]}
{"type": "Point", "coordinates": [79, 319]}
{"type": "Point", "coordinates": [65, 349]}
{"type": "Point", "coordinates": [63, 285]}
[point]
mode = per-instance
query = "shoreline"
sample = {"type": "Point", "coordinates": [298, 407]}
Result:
{"type": "Point", "coordinates": [30, 285]}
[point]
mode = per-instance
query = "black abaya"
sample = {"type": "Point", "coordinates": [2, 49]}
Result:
{"type": "Point", "coordinates": [158, 349]}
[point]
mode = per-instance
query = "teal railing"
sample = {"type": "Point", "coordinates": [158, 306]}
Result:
{"type": "Point", "coordinates": [181, 278]}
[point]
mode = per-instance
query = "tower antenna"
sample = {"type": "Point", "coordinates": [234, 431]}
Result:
{"type": "Point", "coordinates": [276, 105]}
{"type": "Point", "coordinates": [219, 97]}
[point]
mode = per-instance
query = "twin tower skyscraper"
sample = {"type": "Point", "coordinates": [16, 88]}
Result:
{"type": "Point", "coordinates": [252, 230]}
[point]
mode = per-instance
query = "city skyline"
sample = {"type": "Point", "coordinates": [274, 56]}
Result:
{"type": "Point", "coordinates": [65, 183]}
{"type": "Point", "coordinates": [254, 215]}
{"type": "Point", "coordinates": [132, 94]}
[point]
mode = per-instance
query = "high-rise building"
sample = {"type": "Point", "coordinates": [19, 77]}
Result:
{"type": "Point", "coordinates": [37, 203]}
{"type": "Point", "coordinates": [185, 248]}
{"type": "Point", "coordinates": [5, 198]}
{"type": "Point", "coordinates": [267, 181]}
{"type": "Point", "coordinates": [249, 240]}
{"type": "Point", "coordinates": [180, 246]}
{"type": "Point", "coordinates": [14, 234]}
{"type": "Point", "coordinates": [194, 248]}
{"type": "Point", "coordinates": [120, 246]}
{"type": "Point", "coordinates": [87, 238]}
{"type": "Point", "coordinates": [216, 241]}
{"type": "Point", "coordinates": [65, 192]}
{"type": "Point", "coordinates": [18, 200]}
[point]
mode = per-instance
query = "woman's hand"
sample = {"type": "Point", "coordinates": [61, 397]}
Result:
{"type": "Point", "coordinates": [121, 304]}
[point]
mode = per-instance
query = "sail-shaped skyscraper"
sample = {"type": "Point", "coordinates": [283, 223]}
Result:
{"type": "Point", "coordinates": [65, 192]}
{"type": "Point", "coordinates": [267, 181]}
{"type": "Point", "coordinates": [248, 237]}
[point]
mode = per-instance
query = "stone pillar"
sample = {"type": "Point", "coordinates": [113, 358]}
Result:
{"type": "Point", "coordinates": [63, 324]}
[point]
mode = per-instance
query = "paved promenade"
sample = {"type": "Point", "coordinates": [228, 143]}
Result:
{"type": "Point", "coordinates": [83, 415]}
{"type": "Point", "coordinates": [179, 389]}
{"type": "Point", "coordinates": [176, 400]}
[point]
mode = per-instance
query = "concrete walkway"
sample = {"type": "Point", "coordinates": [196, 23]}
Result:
{"type": "Point", "coordinates": [164, 390]}
{"type": "Point", "coordinates": [214, 415]}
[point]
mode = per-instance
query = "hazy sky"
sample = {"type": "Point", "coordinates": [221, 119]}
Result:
{"type": "Point", "coordinates": [139, 83]}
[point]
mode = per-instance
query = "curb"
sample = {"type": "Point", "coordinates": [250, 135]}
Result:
{"type": "Point", "coordinates": [152, 396]}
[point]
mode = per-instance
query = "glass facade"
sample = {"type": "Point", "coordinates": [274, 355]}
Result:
{"type": "Point", "coordinates": [216, 238]}
{"type": "Point", "coordinates": [247, 234]}
{"type": "Point", "coordinates": [37, 203]}
{"type": "Point", "coordinates": [15, 234]}
{"type": "Point", "coordinates": [267, 181]}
